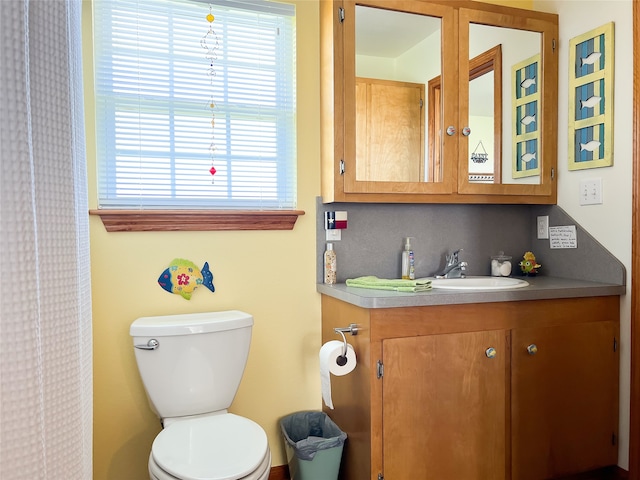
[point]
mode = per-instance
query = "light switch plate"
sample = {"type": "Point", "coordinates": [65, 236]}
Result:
{"type": "Point", "coordinates": [543, 227]}
{"type": "Point", "coordinates": [591, 191]}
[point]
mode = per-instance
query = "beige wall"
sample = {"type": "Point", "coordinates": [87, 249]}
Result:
{"type": "Point", "coordinates": [269, 274]}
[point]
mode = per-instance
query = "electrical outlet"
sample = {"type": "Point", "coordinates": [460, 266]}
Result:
{"type": "Point", "coordinates": [543, 227]}
{"type": "Point", "coordinates": [591, 191]}
{"type": "Point", "coordinates": [333, 235]}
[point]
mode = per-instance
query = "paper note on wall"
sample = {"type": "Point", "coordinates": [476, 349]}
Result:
{"type": "Point", "coordinates": [563, 237]}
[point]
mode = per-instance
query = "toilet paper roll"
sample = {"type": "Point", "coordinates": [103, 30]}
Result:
{"type": "Point", "coordinates": [330, 364]}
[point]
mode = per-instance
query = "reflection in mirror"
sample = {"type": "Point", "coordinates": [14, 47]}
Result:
{"type": "Point", "coordinates": [482, 156]}
{"type": "Point", "coordinates": [389, 130]}
{"type": "Point", "coordinates": [396, 54]}
{"type": "Point", "coordinates": [485, 116]}
{"type": "Point", "coordinates": [485, 112]}
{"type": "Point", "coordinates": [517, 46]}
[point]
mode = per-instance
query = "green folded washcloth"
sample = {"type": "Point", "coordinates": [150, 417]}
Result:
{"type": "Point", "coordinates": [393, 284]}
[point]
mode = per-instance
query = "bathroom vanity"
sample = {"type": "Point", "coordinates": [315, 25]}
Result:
{"type": "Point", "coordinates": [505, 385]}
{"type": "Point", "coordinates": [518, 385]}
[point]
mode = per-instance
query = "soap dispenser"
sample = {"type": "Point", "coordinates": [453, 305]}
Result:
{"type": "Point", "coordinates": [408, 266]}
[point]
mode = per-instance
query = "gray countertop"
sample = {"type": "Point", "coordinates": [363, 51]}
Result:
{"type": "Point", "coordinates": [539, 288]}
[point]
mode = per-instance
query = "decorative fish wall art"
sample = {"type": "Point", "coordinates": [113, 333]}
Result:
{"type": "Point", "coordinates": [527, 157]}
{"type": "Point", "coordinates": [590, 102]}
{"type": "Point", "coordinates": [528, 82]}
{"type": "Point", "coordinates": [182, 277]}
{"type": "Point", "coordinates": [528, 119]}
{"type": "Point", "coordinates": [591, 83]}
{"type": "Point", "coordinates": [525, 103]}
{"type": "Point", "coordinates": [591, 146]}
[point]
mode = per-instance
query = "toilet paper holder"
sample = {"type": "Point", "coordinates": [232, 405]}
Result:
{"type": "Point", "coordinates": [353, 330]}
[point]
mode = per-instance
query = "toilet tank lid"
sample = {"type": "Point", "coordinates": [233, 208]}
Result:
{"type": "Point", "coordinates": [190, 323]}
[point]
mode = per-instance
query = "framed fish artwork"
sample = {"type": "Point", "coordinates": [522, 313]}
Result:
{"type": "Point", "coordinates": [525, 103]}
{"type": "Point", "coordinates": [591, 99]}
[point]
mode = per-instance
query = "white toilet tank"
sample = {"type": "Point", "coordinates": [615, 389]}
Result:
{"type": "Point", "coordinates": [198, 362]}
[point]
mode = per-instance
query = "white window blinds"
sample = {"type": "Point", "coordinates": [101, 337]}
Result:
{"type": "Point", "coordinates": [153, 93]}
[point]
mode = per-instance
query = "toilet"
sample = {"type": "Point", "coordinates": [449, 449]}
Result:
{"type": "Point", "coordinates": [191, 366]}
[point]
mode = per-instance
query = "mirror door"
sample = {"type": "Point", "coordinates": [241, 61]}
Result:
{"type": "Point", "coordinates": [519, 157]}
{"type": "Point", "coordinates": [395, 142]}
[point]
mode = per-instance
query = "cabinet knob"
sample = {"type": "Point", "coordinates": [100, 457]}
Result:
{"type": "Point", "coordinates": [532, 349]}
{"type": "Point", "coordinates": [490, 352]}
{"type": "Point", "coordinates": [451, 130]}
{"type": "Point", "coordinates": [466, 131]}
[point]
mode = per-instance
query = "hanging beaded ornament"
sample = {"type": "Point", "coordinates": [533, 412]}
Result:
{"type": "Point", "coordinates": [211, 44]}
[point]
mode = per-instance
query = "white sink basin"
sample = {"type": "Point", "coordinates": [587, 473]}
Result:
{"type": "Point", "coordinates": [478, 283]}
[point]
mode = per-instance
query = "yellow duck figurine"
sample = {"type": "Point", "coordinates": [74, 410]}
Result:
{"type": "Point", "coordinates": [529, 266]}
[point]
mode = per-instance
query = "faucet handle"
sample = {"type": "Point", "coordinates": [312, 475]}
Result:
{"type": "Point", "coordinates": [453, 258]}
{"type": "Point", "coordinates": [463, 269]}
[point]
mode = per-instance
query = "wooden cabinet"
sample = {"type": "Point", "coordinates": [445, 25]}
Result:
{"type": "Point", "coordinates": [443, 167]}
{"type": "Point", "coordinates": [444, 396]}
{"type": "Point", "coordinates": [564, 402]}
{"type": "Point", "coordinates": [452, 392]}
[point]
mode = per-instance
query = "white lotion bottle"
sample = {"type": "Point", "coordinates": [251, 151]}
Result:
{"type": "Point", "coordinates": [408, 264]}
{"type": "Point", "coordinates": [330, 265]}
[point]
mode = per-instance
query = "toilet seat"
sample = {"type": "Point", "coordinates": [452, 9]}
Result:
{"type": "Point", "coordinates": [262, 473]}
{"type": "Point", "coordinates": [217, 447]}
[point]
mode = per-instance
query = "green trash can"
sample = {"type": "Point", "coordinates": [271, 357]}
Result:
{"type": "Point", "coordinates": [314, 444]}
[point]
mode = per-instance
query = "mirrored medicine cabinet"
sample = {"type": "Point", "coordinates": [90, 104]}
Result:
{"type": "Point", "coordinates": [438, 102]}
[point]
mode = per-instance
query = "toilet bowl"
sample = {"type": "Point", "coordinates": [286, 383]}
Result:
{"type": "Point", "coordinates": [217, 447]}
{"type": "Point", "coordinates": [191, 366]}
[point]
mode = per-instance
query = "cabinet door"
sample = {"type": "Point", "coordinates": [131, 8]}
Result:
{"type": "Point", "coordinates": [369, 52]}
{"type": "Point", "coordinates": [444, 407]}
{"type": "Point", "coordinates": [564, 399]}
{"type": "Point", "coordinates": [518, 130]}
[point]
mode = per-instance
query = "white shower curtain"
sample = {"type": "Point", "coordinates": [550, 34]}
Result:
{"type": "Point", "coordinates": [45, 304]}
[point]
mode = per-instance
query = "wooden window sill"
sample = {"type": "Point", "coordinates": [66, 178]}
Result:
{"type": "Point", "coordinates": [196, 220]}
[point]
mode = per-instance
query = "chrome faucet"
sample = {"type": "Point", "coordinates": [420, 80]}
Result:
{"type": "Point", "coordinates": [454, 267]}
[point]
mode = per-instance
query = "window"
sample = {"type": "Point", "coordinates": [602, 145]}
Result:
{"type": "Point", "coordinates": [154, 87]}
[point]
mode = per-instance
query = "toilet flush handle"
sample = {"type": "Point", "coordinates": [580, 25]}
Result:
{"type": "Point", "coordinates": [151, 345]}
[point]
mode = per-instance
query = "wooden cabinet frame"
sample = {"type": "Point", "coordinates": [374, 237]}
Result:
{"type": "Point", "coordinates": [337, 45]}
{"type": "Point", "coordinates": [634, 428]}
